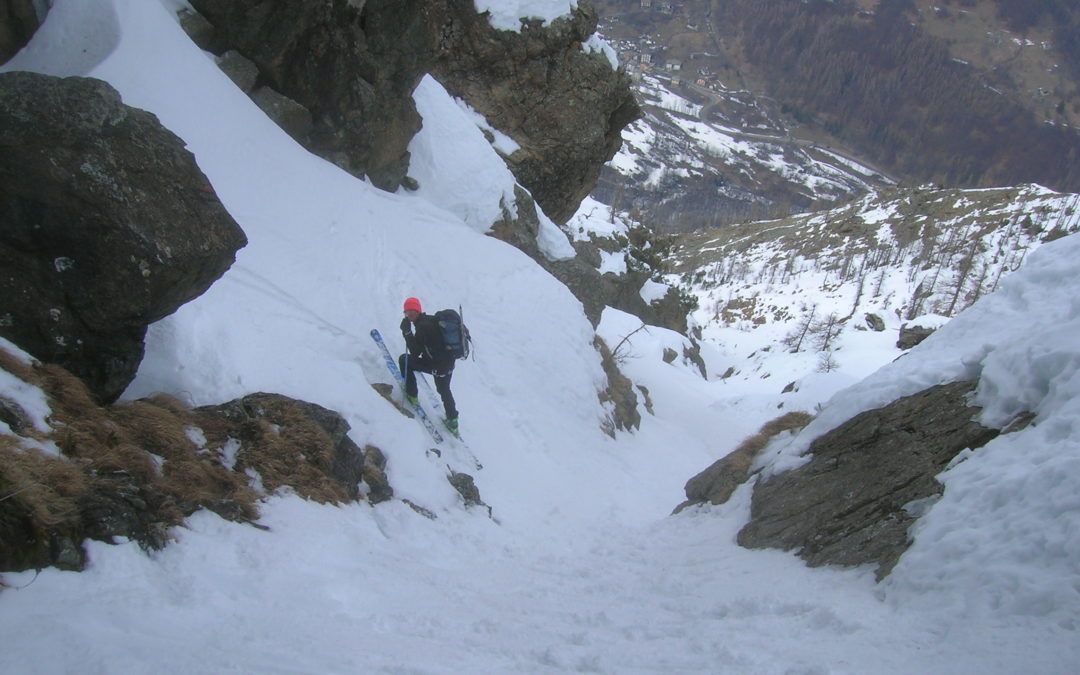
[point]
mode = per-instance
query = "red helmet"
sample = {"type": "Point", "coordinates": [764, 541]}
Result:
{"type": "Point", "coordinates": [413, 304]}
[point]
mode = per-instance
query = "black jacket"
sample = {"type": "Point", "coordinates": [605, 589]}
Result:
{"type": "Point", "coordinates": [424, 341]}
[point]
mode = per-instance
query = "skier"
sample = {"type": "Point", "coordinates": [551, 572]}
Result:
{"type": "Point", "coordinates": [426, 354]}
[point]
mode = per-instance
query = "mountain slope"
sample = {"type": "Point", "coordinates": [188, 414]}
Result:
{"type": "Point", "coordinates": [704, 157]}
{"type": "Point", "coordinates": [802, 289]}
{"type": "Point", "coordinates": [960, 94]}
{"type": "Point", "coordinates": [584, 572]}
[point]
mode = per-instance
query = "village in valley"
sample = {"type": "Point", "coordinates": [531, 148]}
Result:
{"type": "Point", "coordinates": [684, 59]}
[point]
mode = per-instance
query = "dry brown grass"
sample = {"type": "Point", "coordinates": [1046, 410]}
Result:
{"type": "Point", "coordinates": [289, 450]}
{"type": "Point", "coordinates": [193, 475]}
{"type": "Point", "coordinates": [791, 421]}
{"type": "Point", "coordinates": [717, 483]}
{"type": "Point", "coordinates": [46, 488]}
{"type": "Point", "coordinates": [137, 468]}
{"type": "Point", "coordinates": [108, 455]}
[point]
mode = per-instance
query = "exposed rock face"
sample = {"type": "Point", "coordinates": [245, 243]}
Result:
{"type": "Point", "coordinates": [353, 65]}
{"type": "Point", "coordinates": [319, 445]}
{"type": "Point", "coordinates": [716, 484]}
{"type": "Point", "coordinates": [581, 276]}
{"type": "Point", "coordinates": [623, 292]}
{"type": "Point", "coordinates": [18, 23]}
{"type": "Point", "coordinates": [619, 393]}
{"type": "Point", "coordinates": [848, 504]}
{"type": "Point", "coordinates": [912, 335]}
{"type": "Point", "coordinates": [138, 468]}
{"type": "Point", "coordinates": [106, 225]}
{"type": "Point", "coordinates": [563, 105]}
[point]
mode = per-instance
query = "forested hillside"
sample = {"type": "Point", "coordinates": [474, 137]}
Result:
{"type": "Point", "coordinates": [898, 95]}
{"type": "Point", "coordinates": [957, 92]}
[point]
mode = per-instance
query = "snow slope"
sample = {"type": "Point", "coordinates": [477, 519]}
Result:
{"type": "Point", "coordinates": [583, 571]}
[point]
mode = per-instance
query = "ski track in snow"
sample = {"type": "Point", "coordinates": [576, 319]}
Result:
{"type": "Point", "coordinates": [672, 597]}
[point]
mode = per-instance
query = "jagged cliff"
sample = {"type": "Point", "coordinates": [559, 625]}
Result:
{"type": "Point", "coordinates": [339, 78]}
{"type": "Point", "coordinates": [559, 99]}
{"type": "Point", "coordinates": [354, 67]}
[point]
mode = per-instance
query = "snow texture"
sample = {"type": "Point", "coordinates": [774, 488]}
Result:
{"type": "Point", "coordinates": [584, 570]}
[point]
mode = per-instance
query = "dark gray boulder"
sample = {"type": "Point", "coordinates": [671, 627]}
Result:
{"type": "Point", "coordinates": [106, 225]}
{"type": "Point", "coordinates": [19, 21]}
{"type": "Point", "coordinates": [912, 335]}
{"type": "Point", "coordinates": [716, 484]}
{"type": "Point", "coordinates": [292, 117]}
{"type": "Point", "coordinates": [853, 502]}
{"type": "Point", "coordinates": [240, 70]}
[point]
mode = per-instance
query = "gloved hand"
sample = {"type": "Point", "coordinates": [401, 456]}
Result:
{"type": "Point", "coordinates": [406, 327]}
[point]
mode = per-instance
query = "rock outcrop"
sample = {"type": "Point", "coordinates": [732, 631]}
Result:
{"type": "Point", "coordinates": [138, 468]}
{"type": "Point", "coordinates": [18, 23]}
{"type": "Point", "coordinates": [853, 502]}
{"type": "Point", "coordinates": [716, 484]}
{"type": "Point", "coordinates": [562, 102]}
{"type": "Point", "coordinates": [106, 225]}
{"type": "Point", "coordinates": [912, 335]}
{"type": "Point", "coordinates": [353, 65]}
{"type": "Point", "coordinates": [318, 450]}
{"type": "Point", "coordinates": [619, 395]}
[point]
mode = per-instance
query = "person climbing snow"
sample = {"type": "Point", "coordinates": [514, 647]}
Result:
{"type": "Point", "coordinates": [426, 353]}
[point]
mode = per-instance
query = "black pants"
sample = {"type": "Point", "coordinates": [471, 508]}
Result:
{"type": "Point", "coordinates": [410, 365]}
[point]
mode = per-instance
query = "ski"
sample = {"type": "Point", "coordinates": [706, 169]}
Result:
{"type": "Point", "coordinates": [435, 402]}
{"type": "Point", "coordinates": [392, 366]}
{"type": "Point", "coordinates": [427, 392]}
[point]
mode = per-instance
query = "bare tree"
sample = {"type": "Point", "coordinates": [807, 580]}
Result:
{"type": "Point", "coordinates": [827, 362]}
{"type": "Point", "coordinates": [826, 332]}
{"type": "Point", "coordinates": [617, 354]}
{"type": "Point", "coordinates": [795, 339]}
{"type": "Point", "coordinates": [966, 265]}
{"type": "Point", "coordinates": [879, 285]}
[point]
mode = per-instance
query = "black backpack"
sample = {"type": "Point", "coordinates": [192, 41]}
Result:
{"type": "Point", "coordinates": [455, 335]}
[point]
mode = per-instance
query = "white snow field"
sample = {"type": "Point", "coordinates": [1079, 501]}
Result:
{"type": "Point", "coordinates": [582, 569]}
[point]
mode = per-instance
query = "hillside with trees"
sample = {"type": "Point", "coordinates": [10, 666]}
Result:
{"type": "Point", "coordinates": [897, 94]}
{"type": "Point", "coordinates": [958, 92]}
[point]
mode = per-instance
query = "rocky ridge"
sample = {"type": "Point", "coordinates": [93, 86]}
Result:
{"type": "Point", "coordinates": [138, 468]}
{"type": "Point", "coordinates": [547, 88]}
{"type": "Point", "coordinates": [867, 481]}
{"type": "Point", "coordinates": [354, 67]}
